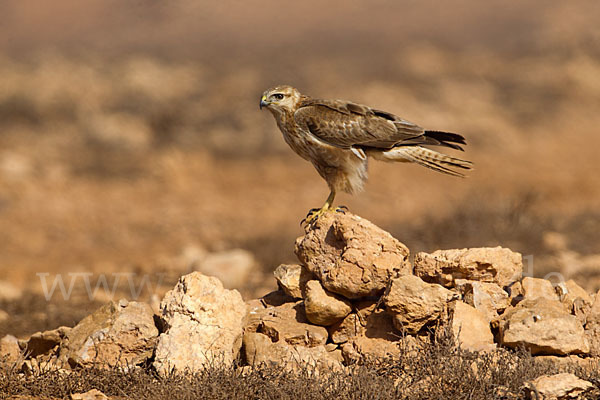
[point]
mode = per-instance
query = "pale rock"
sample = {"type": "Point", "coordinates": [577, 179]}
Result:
{"type": "Point", "coordinates": [351, 256]}
{"type": "Point", "coordinates": [534, 288]}
{"type": "Point", "coordinates": [414, 303]}
{"type": "Point", "coordinates": [10, 352]}
{"type": "Point", "coordinates": [487, 297]}
{"type": "Point", "coordinates": [487, 264]}
{"type": "Point", "coordinates": [3, 316]}
{"type": "Point", "coordinates": [471, 328]}
{"type": "Point", "coordinates": [232, 267]}
{"type": "Point", "coordinates": [592, 326]}
{"type": "Point", "coordinates": [93, 394]}
{"type": "Point", "coordinates": [346, 329]}
{"type": "Point", "coordinates": [286, 323]}
{"type": "Point", "coordinates": [44, 342]}
{"type": "Point", "coordinates": [323, 308]}
{"type": "Point", "coordinates": [204, 325]}
{"type": "Point", "coordinates": [292, 279]}
{"type": "Point", "coordinates": [377, 325]}
{"type": "Point", "coordinates": [122, 334]}
{"type": "Point", "coordinates": [544, 327]}
{"type": "Point", "coordinates": [575, 298]}
{"type": "Point", "coordinates": [259, 349]}
{"type": "Point", "coordinates": [363, 347]}
{"type": "Point", "coordinates": [558, 387]}
{"type": "Point", "coordinates": [9, 292]}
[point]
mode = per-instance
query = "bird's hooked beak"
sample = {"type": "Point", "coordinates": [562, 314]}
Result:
{"type": "Point", "coordinates": [264, 102]}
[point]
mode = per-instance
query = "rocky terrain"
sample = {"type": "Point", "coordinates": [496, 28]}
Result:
{"type": "Point", "coordinates": [354, 298]}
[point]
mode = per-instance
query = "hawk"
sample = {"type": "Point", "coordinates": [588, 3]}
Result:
{"type": "Point", "coordinates": [338, 137]}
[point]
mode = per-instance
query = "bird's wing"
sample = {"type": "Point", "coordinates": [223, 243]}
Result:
{"type": "Point", "coordinates": [344, 124]}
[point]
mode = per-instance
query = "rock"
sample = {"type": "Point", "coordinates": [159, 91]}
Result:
{"type": "Point", "coordinates": [557, 387]}
{"type": "Point", "coordinates": [231, 267]}
{"type": "Point", "coordinates": [204, 325]}
{"type": "Point", "coordinates": [575, 298]}
{"type": "Point", "coordinates": [324, 308]}
{"type": "Point", "coordinates": [471, 328]}
{"type": "Point", "coordinates": [592, 326]}
{"type": "Point", "coordinates": [286, 323]}
{"type": "Point", "coordinates": [346, 329]}
{"type": "Point", "coordinates": [10, 352]}
{"type": "Point", "coordinates": [534, 288]}
{"type": "Point", "coordinates": [93, 394]}
{"type": "Point", "coordinates": [351, 256]}
{"type": "Point", "coordinates": [544, 327]}
{"type": "Point", "coordinates": [9, 292]}
{"type": "Point", "coordinates": [487, 297]}
{"type": "Point", "coordinates": [44, 342]}
{"type": "Point", "coordinates": [414, 303]}
{"type": "Point", "coordinates": [120, 334]}
{"type": "Point", "coordinates": [486, 264]}
{"type": "Point", "coordinates": [292, 279]}
{"type": "Point", "coordinates": [3, 315]}
{"type": "Point", "coordinates": [259, 349]}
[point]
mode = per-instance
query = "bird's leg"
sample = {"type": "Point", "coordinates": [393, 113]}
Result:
{"type": "Point", "coordinates": [315, 213]}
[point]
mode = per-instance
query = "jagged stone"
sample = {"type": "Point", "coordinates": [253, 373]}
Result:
{"type": "Point", "coordinates": [286, 323]}
{"type": "Point", "coordinates": [471, 328]}
{"type": "Point", "coordinates": [487, 297]}
{"type": "Point", "coordinates": [323, 308]}
{"type": "Point", "coordinates": [557, 387]}
{"type": "Point", "coordinates": [118, 334]}
{"type": "Point", "coordinates": [204, 325]}
{"type": "Point", "coordinates": [544, 327]}
{"type": "Point", "coordinates": [414, 303]}
{"type": "Point", "coordinates": [488, 264]}
{"type": "Point", "coordinates": [259, 349]}
{"type": "Point", "coordinates": [533, 288]}
{"type": "Point", "coordinates": [292, 279]}
{"type": "Point", "coordinates": [351, 256]}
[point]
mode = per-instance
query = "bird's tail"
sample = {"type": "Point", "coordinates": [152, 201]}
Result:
{"type": "Point", "coordinates": [425, 157]}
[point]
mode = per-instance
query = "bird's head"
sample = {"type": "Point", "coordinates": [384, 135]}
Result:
{"type": "Point", "coordinates": [280, 99]}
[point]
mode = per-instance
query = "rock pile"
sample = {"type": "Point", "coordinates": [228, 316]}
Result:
{"type": "Point", "coordinates": [354, 294]}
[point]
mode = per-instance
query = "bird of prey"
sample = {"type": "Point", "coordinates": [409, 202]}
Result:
{"type": "Point", "coordinates": [338, 137]}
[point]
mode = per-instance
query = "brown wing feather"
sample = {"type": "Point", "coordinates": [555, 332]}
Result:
{"type": "Point", "coordinates": [345, 124]}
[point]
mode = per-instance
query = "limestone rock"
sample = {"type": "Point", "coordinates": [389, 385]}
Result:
{"type": "Point", "coordinates": [487, 297]}
{"type": "Point", "coordinates": [93, 394]}
{"type": "Point", "coordinates": [286, 323]}
{"type": "Point", "coordinates": [592, 326]}
{"type": "Point", "coordinates": [351, 256]}
{"type": "Point", "coordinates": [558, 387]}
{"type": "Point", "coordinates": [415, 303]}
{"type": "Point", "coordinates": [44, 342]}
{"type": "Point", "coordinates": [204, 325]}
{"type": "Point", "coordinates": [346, 329]}
{"type": "Point", "coordinates": [487, 264]}
{"type": "Point", "coordinates": [120, 334]}
{"type": "Point", "coordinates": [259, 349]}
{"type": "Point", "coordinates": [544, 326]}
{"type": "Point", "coordinates": [231, 267]}
{"type": "Point", "coordinates": [10, 352]}
{"type": "Point", "coordinates": [534, 288]}
{"type": "Point", "coordinates": [575, 298]}
{"type": "Point", "coordinates": [292, 279]}
{"type": "Point", "coordinates": [471, 328]}
{"type": "Point", "coordinates": [324, 308]}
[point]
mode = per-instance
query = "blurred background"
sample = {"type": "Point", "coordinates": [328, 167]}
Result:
{"type": "Point", "coordinates": [131, 141]}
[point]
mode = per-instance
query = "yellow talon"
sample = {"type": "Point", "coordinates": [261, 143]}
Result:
{"type": "Point", "coordinates": [315, 213]}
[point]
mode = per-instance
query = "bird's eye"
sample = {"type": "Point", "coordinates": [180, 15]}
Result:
{"type": "Point", "coordinates": [277, 96]}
